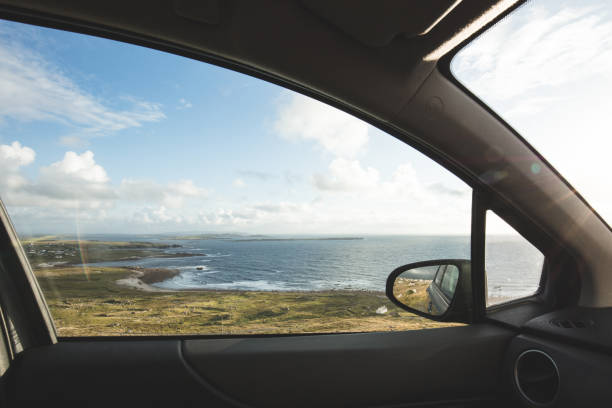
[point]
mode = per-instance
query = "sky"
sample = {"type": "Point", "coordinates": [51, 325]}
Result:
{"type": "Point", "coordinates": [97, 136]}
{"type": "Point", "coordinates": [547, 70]}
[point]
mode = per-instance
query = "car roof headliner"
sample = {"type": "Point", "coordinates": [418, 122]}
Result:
{"type": "Point", "coordinates": [377, 62]}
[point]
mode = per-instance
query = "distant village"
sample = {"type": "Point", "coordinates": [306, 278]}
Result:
{"type": "Point", "coordinates": [57, 251]}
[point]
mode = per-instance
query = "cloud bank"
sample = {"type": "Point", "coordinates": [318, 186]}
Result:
{"type": "Point", "coordinates": [306, 119]}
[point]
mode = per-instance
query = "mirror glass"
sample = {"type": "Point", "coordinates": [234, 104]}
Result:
{"type": "Point", "coordinates": [429, 289]}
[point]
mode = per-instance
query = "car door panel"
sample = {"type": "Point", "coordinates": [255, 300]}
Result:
{"type": "Point", "coordinates": [367, 369]}
{"type": "Point", "coordinates": [457, 366]}
{"type": "Point", "coordinates": [105, 373]}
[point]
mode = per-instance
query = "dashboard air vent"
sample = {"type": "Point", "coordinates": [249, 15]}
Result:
{"type": "Point", "coordinates": [537, 377]}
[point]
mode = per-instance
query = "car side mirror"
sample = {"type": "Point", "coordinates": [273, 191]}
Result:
{"type": "Point", "coordinates": [439, 290]}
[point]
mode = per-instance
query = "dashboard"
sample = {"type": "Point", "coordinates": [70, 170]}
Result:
{"type": "Point", "coordinates": [562, 359]}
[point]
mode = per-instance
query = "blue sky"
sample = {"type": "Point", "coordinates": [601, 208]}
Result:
{"type": "Point", "coordinates": [100, 136]}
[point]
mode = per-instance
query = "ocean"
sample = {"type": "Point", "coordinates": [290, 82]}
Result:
{"type": "Point", "coordinates": [289, 264]}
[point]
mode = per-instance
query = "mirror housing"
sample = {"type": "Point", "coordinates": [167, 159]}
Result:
{"type": "Point", "coordinates": [460, 307]}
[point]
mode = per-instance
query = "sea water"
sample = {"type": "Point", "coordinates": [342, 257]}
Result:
{"type": "Point", "coordinates": [288, 264]}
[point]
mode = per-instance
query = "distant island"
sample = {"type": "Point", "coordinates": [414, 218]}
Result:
{"type": "Point", "coordinates": [250, 238]}
{"type": "Point", "coordinates": [300, 239]}
{"type": "Point", "coordinates": [210, 236]}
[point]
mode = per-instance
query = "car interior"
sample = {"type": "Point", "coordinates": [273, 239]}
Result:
{"type": "Point", "coordinates": [387, 63]}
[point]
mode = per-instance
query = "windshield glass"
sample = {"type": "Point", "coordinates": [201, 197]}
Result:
{"type": "Point", "coordinates": [547, 70]}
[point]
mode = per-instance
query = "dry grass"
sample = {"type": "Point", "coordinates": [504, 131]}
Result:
{"type": "Point", "coordinates": [412, 292]}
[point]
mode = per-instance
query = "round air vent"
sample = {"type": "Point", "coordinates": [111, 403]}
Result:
{"type": "Point", "coordinates": [537, 377]}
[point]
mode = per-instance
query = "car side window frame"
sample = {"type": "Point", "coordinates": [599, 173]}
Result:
{"type": "Point", "coordinates": [439, 274]}
{"type": "Point", "coordinates": [448, 273]}
{"type": "Point", "coordinates": [484, 201]}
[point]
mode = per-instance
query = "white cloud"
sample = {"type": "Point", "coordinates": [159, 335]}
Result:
{"type": "Point", "coordinates": [303, 118]}
{"type": "Point", "coordinates": [177, 193]}
{"type": "Point", "coordinates": [184, 104]}
{"type": "Point", "coordinates": [543, 45]}
{"type": "Point", "coordinates": [238, 183]}
{"type": "Point", "coordinates": [81, 167]}
{"type": "Point", "coordinates": [15, 155]}
{"type": "Point", "coordinates": [227, 217]}
{"type": "Point", "coordinates": [355, 199]}
{"type": "Point", "coordinates": [78, 182]}
{"type": "Point", "coordinates": [441, 188]}
{"type": "Point", "coordinates": [75, 177]}
{"type": "Point", "coordinates": [172, 195]}
{"type": "Point", "coordinates": [141, 190]}
{"type": "Point", "coordinates": [12, 158]}
{"type": "Point", "coordinates": [156, 215]}
{"type": "Point", "coordinates": [405, 184]}
{"type": "Point", "coordinates": [278, 216]}
{"type": "Point", "coordinates": [257, 175]}
{"type": "Point", "coordinates": [73, 141]}
{"type": "Point", "coordinates": [32, 89]}
{"type": "Point", "coordinates": [346, 175]}
{"type": "Point", "coordinates": [359, 199]}
{"type": "Point", "coordinates": [186, 188]}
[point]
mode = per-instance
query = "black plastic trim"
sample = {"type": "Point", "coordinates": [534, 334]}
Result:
{"type": "Point", "coordinates": [479, 290]}
{"type": "Point", "coordinates": [197, 336]}
{"type": "Point", "coordinates": [23, 303]}
{"type": "Point", "coordinates": [552, 249]}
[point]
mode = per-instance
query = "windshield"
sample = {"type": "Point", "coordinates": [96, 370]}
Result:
{"type": "Point", "coordinates": [547, 70]}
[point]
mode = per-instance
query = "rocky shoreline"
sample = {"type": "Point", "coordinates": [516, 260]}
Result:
{"type": "Point", "coordinates": [143, 278]}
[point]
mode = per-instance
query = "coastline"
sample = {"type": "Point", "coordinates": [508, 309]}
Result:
{"type": "Point", "coordinates": [143, 278]}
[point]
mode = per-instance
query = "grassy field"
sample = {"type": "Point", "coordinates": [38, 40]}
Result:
{"type": "Point", "coordinates": [87, 301]}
